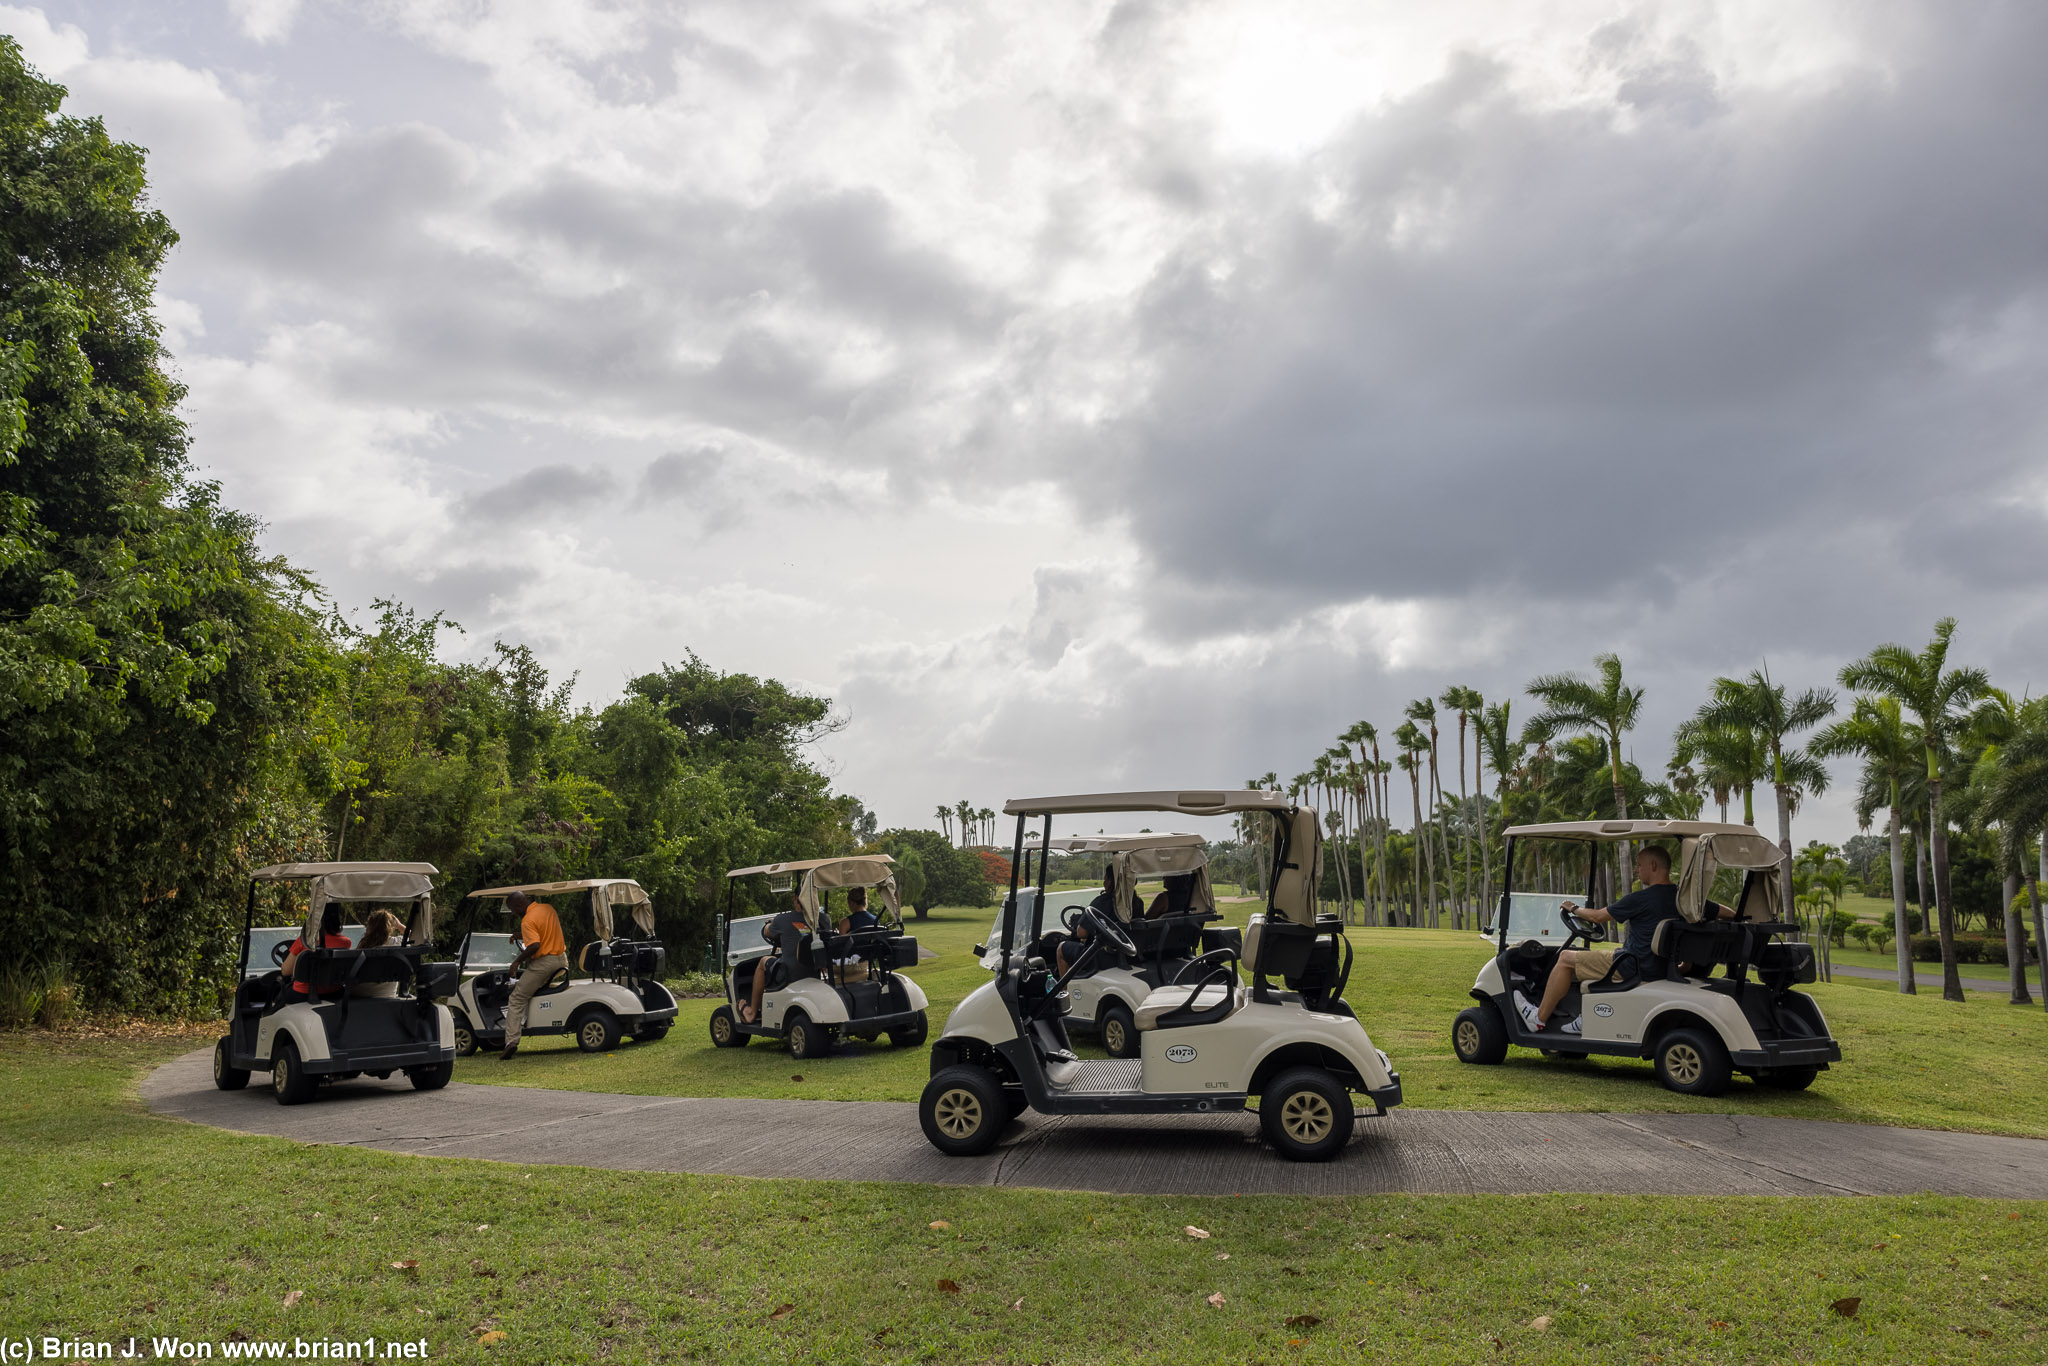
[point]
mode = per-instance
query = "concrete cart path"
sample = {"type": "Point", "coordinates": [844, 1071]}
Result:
{"type": "Point", "coordinates": [1422, 1151]}
{"type": "Point", "coordinates": [1921, 977]}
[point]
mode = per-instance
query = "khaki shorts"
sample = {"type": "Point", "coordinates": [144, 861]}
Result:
{"type": "Point", "coordinates": [1590, 965]}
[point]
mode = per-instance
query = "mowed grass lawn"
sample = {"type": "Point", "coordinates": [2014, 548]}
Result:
{"type": "Point", "coordinates": [1916, 1060]}
{"type": "Point", "coordinates": [113, 1222]}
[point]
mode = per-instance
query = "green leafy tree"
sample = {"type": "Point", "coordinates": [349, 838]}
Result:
{"type": "Point", "coordinates": [1760, 707]}
{"type": "Point", "coordinates": [1605, 706]}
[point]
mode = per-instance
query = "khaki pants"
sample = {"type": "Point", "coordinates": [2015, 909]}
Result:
{"type": "Point", "coordinates": [536, 976]}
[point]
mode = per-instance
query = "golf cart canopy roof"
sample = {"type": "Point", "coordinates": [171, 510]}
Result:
{"type": "Point", "coordinates": [605, 894]}
{"type": "Point", "coordinates": [1099, 844]}
{"type": "Point", "coordinates": [305, 872]}
{"type": "Point", "coordinates": [1188, 802]}
{"type": "Point", "coordinates": [804, 865]}
{"type": "Point", "coordinates": [1616, 831]}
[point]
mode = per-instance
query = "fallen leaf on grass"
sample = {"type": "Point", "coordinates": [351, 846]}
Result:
{"type": "Point", "coordinates": [1717, 1324]}
{"type": "Point", "coordinates": [1296, 1342]}
{"type": "Point", "coordinates": [1847, 1306]}
{"type": "Point", "coordinates": [496, 1335]}
{"type": "Point", "coordinates": [782, 1311]}
{"type": "Point", "coordinates": [1194, 1232]}
{"type": "Point", "coordinates": [948, 1287]}
{"type": "Point", "coordinates": [1017, 1304]}
{"type": "Point", "coordinates": [292, 1297]}
{"type": "Point", "coordinates": [484, 1271]}
{"type": "Point", "coordinates": [1541, 1323]}
{"type": "Point", "coordinates": [408, 1265]}
{"type": "Point", "coordinates": [2012, 1216]}
{"type": "Point", "coordinates": [1223, 1256]}
{"type": "Point", "coordinates": [237, 1335]}
{"type": "Point", "coordinates": [1498, 1345]}
{"type": "Point", "coordinates": [1289, 1271]}
{"type": "Point", "coordinates": [1302, 1321]}
{"type": "Point", "coordinates": [938, 1223]}
{"type": "Point", "coordinates": [1215, 1301]}
{"type": "Point", "coordinates": [481, 1227]}
{"type": "Point", "coordinates": [796, 1076]}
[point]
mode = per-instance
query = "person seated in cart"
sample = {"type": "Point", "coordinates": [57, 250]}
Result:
{"type": "Point", "coordinates": [853, 967]}
{"type": "Point", "coordinates": [331, 937]}
{"type": "Point", "coordinates": [380, 929]}
{"type": "Point", "coordinates": [1176, 897]}
{"type": "Point", "coordinates": [546, 953]}
{"type": "Point", "coordinates": [788, 932]}
{"type": "Point", "coordinates": [1069, 951]}
{"type": "Point", "coordinates": [1642, 910]}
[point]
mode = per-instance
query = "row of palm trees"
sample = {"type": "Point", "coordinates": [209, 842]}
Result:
{"type": "Point", "coordinates": [976, 825]}
{"type": "Point", "coordinates": [1918, 726]}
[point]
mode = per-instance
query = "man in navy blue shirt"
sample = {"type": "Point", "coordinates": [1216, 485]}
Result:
{"type": "Point", "coordinates": [1642, 910]}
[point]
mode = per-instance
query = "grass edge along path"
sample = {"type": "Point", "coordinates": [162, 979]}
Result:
{"type": "Point", "coordinates": [1916, 1061]}
{"type": "Point", "coordinates": [120, 1223]}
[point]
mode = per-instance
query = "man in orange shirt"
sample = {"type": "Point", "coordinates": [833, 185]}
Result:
{"type": "Point", "coordinates": [543, 954]}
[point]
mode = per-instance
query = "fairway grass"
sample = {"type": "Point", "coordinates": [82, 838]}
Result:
{"type": "Point", "coordinates": [117, 1223]}
{"type": "Point", "coordinates": [1908, 1060]}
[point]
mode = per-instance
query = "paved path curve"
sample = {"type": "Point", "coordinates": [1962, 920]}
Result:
{"type": "Point", "coordinates": [1921, 978]}
{"type": "Point", "coordinates": [1426, 1151]}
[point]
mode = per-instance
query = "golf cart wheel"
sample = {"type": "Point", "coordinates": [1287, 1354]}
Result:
{"type": "Point", "coordinates": [807, 1039]}
{"type": "Point", "coordinates": [598, 1031]}
{"type": "Point", "coordinates": [430, 1078]}
{"type": "Point", "coordinates": [226, 1075]}
{"type": "Point", "coordinates": [289, 1080]}
{"type": "Point", "coordinates": [465, 1037]}
{"type": "Point", "coordinates": [1118, 1031]}
{"type": "Point", "coordinates": [1306, 1114]}
{"type": "Point", "coordinates": [725, 1030]}
{"type": "Point", "coordinates": [963, 1111]}
{"type": "Point", "coordinates": [651, 1033]}
{"type": "Point", "coordinates": [1692, 1062]}
{"type": "Point", "coordinates": [1787, 1078]}
{"type": "Point", "coordinates": [911, 1035]}
{"type": "Point", "coordinates": [1478, 1036]}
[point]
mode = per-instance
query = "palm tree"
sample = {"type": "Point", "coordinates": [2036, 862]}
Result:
{"type": "Point", "coordinates": [1877, 730]}
{"type": "Point", "coordinates": [1608, 708]}
{"type": "Point", "coordinates": [1730, 759]}
{"type": "Point", "coordinates": [945, 815]}
{"type": "Point", "coordinates": [988, 825]}
{"type": "Point", "coordinates": [1412, 744]}
{"type": "Point", "coordinates": [1995, 723]}
{"type": "Point", "coordinates": [1501, 747]}
{"type": "Point", "coordinates": [1935, 696]}
{"type": "Point", "coordinates": [963, 812]}
{"type": "Point", "coordinates": [1466, 702]}
{"type": "Point", "coordinates": [1364, 733]}
{"type": "Point", "coordinates": [1422, 711]}
{"type": "Point", "coordinates": [2015, 795]}
{"type": "Point", "coordinates": [1760, 706]}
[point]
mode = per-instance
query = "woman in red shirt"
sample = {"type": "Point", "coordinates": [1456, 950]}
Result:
{"type": "Point", "coordinates": [331, 937]}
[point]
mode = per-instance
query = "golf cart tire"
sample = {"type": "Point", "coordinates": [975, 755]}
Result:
{"type": "Point", "coordinates": [964, 1111]}
{"type": "Point", "coordinates": [1118, 1030]}
{"type": "Point", "coordinates": [725, 1030]}
{"type": "Point", "coordinates": [465, 1036]}
{"type": "Point", "coordinates": [1787, 1078]}
{"type": "Point", "coordinates": [1478, 1036]}
{"type": "Point", "coordinates": [597, 1031]}
{"type": "Point", "coordinates": [430, 1078]}
{"type": "Point", "coordinates": [289, 1080]}
{"type": "Point", "coordinates": [911, 1035]}
{"type": "Point", "coordinates": [1306, 1114]}
{"type": "Point", "coordinates": [226, 1075]}
{"type": "Point", "coordinates": [1693, 1062]}
{"type": "Point", "coordinates": [807, 1039]}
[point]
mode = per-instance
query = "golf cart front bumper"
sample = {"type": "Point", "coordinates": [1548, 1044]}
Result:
{"type": "Point", "coordinates": [1387, 1097]}
{"type": "Point", "coordinates": [1788, 1053]}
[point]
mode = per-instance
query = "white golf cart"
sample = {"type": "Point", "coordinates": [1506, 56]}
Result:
{"type": "Point", "coordinates": [619, 996]}
{"type": "Point", "coordinates": [1206, 1042]}
{"type": "Point", "coordinates": [364, 1012]}
{"type": "Point", "coordinates": [1698, 1028]}
{"type": "Point", "coordinates": [838, 985]}
{"type": "Point", "coordinates": [1104, 994]}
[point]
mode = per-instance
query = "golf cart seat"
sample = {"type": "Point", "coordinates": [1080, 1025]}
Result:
{"type": "Point", "coordinates": [1173, 1007]}
{"type": "Point", "coordinates": [1702, 947]}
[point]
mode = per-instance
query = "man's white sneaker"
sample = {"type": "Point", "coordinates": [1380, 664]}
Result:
{"type": "Point", "coordinates": [1570, 1026]}
{"type": "Point", "coordinates": [1529, 1015]}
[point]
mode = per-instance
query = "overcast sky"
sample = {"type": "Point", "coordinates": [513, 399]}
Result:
{"type": "Point", "coordinates": [1090, 395]}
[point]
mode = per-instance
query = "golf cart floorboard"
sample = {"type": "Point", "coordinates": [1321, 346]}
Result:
{"type": "Point", "coordinates": [1111, 1076]}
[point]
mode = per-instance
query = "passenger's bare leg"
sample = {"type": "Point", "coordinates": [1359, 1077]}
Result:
{"type": "Point", "coordinates": [1560, 982]}
{"type": "Point", "coordinates": [760, 985]}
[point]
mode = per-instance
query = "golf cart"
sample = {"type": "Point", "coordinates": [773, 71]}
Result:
{"type": "Point", "coordinates": [365, 1011]}
{"type": "Point", "coordinates": [1698, 1028]}
{"type": "Point", "coordinates": [840, 985]}
{"type": "Point", "coordinates": [619, 996]}
{"type": "Point", "coordinates": [1105, 993]}
{"type": "Point", "coordinates": [1207, 1043]}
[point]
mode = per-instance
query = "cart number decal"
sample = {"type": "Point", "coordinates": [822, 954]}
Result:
{"type": "Point", "coordinates": [1181, 1052]}
{"type": "Point", "coordinates": [1603, 1010]}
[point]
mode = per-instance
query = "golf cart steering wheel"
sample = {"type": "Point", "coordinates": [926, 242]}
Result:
{"type": "Point", "coordinates": [280, 951]}
{"type": "Point", "coordinates": [1578, 927]}
{"type": "Point", "coordinates": [1070, 917]}
{"type": "Point", "coordinates": [1113, 934]}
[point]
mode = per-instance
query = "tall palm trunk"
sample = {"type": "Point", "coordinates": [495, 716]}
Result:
{"type": "Point", "coordinates": [1920, 880]}
{"type": "Point", "coordinates": [1485, 846]}
{"type": "Point", "coordinates": [1421, 843]}
{"type": "Point", "coordinates": [1624, 853]}
{"type": "Point", "coordinates": [2015, 943]}
{"type": "Point", "coordinates": [1464, 818]}
{"type": "Point", "coordinates": [1944, 899]}
{"type": "Point", "coordinates": [2040, 932]}
{"type": "Point", "coordinates": [1902, 934]}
